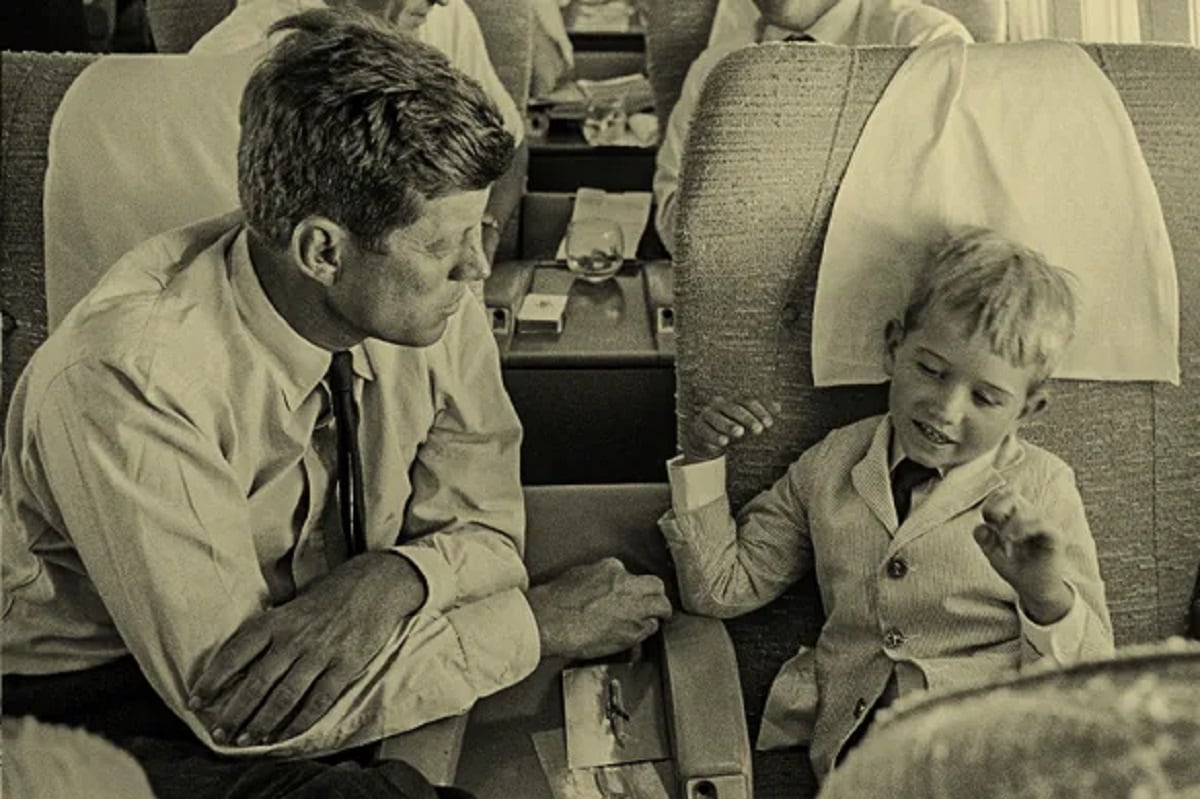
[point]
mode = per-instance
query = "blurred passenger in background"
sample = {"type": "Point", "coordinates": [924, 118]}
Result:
{"type": "Point", "coordinates": [740, 23]}
{"type": "Point", "coordinates": [448, 25]}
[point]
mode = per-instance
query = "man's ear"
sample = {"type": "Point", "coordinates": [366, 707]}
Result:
{"type": "Point", "coordinates": [1035, 402]}
{"type": "Point", "coordinates": [893, 336]}
{"type": "Point", "coordinates": [318, 247]}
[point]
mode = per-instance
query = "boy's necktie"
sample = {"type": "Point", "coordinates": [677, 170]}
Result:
{"type": "Point", "coordinates": [800, 37]}
{"type": "Point", "coordinates": [351, 503]}
{"type": "Point", "coordinates": [907, 475]}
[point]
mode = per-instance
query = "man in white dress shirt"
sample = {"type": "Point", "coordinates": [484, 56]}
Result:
{"type": "Point", "coordinates": [741, 23]}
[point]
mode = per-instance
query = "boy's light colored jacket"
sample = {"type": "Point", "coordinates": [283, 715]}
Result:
{"type": "Point", "coordinates": [949, 614]}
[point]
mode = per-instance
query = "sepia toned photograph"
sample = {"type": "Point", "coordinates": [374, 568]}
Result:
{"type": "Point", "coordinates": [600, 399]}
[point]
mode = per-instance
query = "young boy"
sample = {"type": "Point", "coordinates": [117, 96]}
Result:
{"type": "Point", "coordinates": [947, 550]}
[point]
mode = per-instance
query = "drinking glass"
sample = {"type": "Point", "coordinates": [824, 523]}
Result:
{"type": "Point", "coordinates": [595, 249]}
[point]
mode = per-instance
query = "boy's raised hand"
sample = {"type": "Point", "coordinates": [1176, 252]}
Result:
{"type": "Point", "coordinates": [722, 422]}
{"type": "Point", "coordinates": [1027, 551]}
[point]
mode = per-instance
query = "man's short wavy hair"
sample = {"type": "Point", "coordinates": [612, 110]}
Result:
{"type": "Point", "coordinates": [354, 121]}
{"type": "Point", "coordinates": [1022, 306]}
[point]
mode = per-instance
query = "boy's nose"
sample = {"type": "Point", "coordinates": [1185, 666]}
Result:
{"type": "Point", "coordinates": [950, 404]}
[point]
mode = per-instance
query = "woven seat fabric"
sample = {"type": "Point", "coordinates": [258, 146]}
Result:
{"type": "Point", "coordinates": [31, 86]}
{"type": "Point", "coordinates": [1126, 727]}
{"type": "Point", "coordinates": [768, 146]}
{"type": "Point", "coordinates": [676, 33]}
{"type": "Point", "coordinates": [178, 24]}
{"type": "Point", "coordinates": [507, 31]}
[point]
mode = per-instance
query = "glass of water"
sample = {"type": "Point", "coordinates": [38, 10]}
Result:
{"type": "Point", "coordinates": [595, 249]}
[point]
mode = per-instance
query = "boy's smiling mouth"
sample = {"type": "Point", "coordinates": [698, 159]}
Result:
{"type": "Point", "coordinates": [931, 433]}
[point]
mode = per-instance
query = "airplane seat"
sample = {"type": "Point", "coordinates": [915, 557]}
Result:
{"type": "Point", "coordinates": [769, 145]}
{"type": "Point", "coordinates": [1101, 730]}
{"type": "Point", "coordinates": [176, 25]}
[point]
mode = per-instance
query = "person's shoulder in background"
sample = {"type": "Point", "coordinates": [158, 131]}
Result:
{"type": "Point", "coordinates": [916, 23]}
{"type": "Point", "coordinates": [247, 25]}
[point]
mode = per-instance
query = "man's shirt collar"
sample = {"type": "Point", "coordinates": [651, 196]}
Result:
{"type": "Point", "coordinates": [301, 364]}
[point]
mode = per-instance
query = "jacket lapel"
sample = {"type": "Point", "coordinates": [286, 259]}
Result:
{"type": "Point", "coordinates": [872, 481]}
{"type": "Point", "coordinates": [958, 492]}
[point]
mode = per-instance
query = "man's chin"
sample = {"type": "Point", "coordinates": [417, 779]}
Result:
{"type": "Point", "coordinates": [418, 338]}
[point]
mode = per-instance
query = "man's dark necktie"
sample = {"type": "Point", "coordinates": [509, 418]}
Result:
{"type": "Point", "coordinates": [907, 475]}
{"type": "Point", "coordinates": [800, 37]}
{"type": "Point", "coordinates": [351, 503]}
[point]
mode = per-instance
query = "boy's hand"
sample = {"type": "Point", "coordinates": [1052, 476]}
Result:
{"type": "Point", "coordinates": [721, 422]}
{"type": "Point", "coordinates": [1026, 551]}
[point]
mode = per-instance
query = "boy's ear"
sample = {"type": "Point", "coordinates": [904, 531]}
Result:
{"type": "Point", "coordinates": [317, 248]}
{"type": "Point", "coordinates": [1035, 402]}
{"type": "Point", "coordinates": [893, 336]}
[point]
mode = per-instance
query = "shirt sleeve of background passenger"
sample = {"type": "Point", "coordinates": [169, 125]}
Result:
{"type": "Point", "coordinates": [471, 56]}
{"type": "Point", "coordinates": [926, 24]}
{"type": "Point", "coordinates": [1085, 633]}
{"type": "Point", "coordinates": [726, 566]}
{"type": "Point", "coordinates": [668, 161]}
{"type": "Point", "coordinates": [465, 523]}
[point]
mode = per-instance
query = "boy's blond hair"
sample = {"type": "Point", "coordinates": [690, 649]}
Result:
{"type": "Point", "coordinates": [1001, 290]}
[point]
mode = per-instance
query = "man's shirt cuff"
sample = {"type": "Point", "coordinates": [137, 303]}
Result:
{"type": "Point", "coordinates": [695, 485]}
{"type": "Point", "coordinates": [1060, 640]}
{"type": "Point", "coordinates": [440, 585]}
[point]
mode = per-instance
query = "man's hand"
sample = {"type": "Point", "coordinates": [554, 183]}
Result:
{"type": "Point", "coordinates": [284, 668]}
{"type": "Point", "coordinates": [596, 610]}
{"type": "Point", "coordinates": [720, 423]}
{"type": "Point", "coordinates": [1027, 552]}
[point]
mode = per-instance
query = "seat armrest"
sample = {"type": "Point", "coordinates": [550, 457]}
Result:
{"type": "Point", "coordinates": [569, 525]}
{"type": "Point", "coordinates": [706, 717]}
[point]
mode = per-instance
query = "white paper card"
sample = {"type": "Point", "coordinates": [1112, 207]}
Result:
{"type": "Point", "coordinates": [629, 209]}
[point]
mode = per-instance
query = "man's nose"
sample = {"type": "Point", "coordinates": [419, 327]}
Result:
{"type": "Point", "coordinates": [472, 262]}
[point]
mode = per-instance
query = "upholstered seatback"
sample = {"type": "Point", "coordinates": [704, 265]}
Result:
{"type": "Point", "coordinates": [769, 144]}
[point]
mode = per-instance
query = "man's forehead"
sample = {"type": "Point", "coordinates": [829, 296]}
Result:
{"type": "Point", "coordinates": [454, 211]}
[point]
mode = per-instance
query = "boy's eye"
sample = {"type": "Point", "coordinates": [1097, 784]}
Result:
{"type": "Point", "coordinates": [928, 369]}
{"type": "Point", "coordinates": [986, 399]}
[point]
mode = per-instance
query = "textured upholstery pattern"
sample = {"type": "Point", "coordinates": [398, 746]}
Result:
{"type": "Point", "coordinates": [677, 32]}
{"type": "Point", "coordinates": [745, 279]}
{"type": "Point", "coordinates": [1109, 730]}
{"type": "Point", "coordinates": [507, 27]}
{"type": "Point", "coordinates": [31, 85]}
{"type": "Point", "coordinates": [178, 24]}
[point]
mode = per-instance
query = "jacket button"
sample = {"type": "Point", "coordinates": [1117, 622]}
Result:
{"type": "Point", "coordinates": [893, 638]}
{"type": "Point", "coordinates": [896, 568]}
{"type": "Point", "coordinates": [860, 707]}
